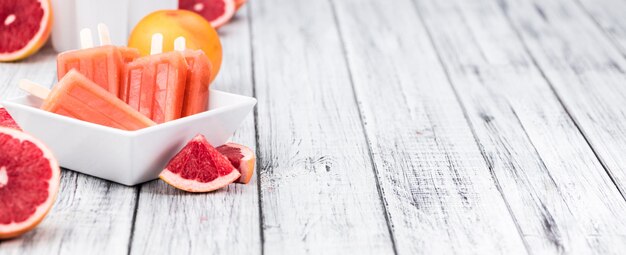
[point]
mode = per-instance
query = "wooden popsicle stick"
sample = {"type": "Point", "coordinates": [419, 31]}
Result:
{"type": "Point", "coordinates": [34, 88]}
{"type": "Point", "coordinates": [180, 44]}
{"type": "Point", "coordinates": [85, 38]}
{"type": "Point", "coordinates": [103, 34]}
{"type": "Point", "coordinates": [157, 44]}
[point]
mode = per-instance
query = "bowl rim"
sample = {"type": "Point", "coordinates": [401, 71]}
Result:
{"type": "Point", "coordinates": [247, 101]}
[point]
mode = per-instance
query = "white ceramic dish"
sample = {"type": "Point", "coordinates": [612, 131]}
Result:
{"type": "Point", "coordinates": [127, 157]}
{"type": "Point", "coordinates": [70, 16]}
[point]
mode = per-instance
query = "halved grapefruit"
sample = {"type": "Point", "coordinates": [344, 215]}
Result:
{"type": "Point", "coordinates": [217, 12]}
{"type": "Point", "coordinates": [199, 167]}
{"type": "Point", "coordinates": [241, 157]}
{"type": "Point", "coordinates": [6, 120]}
{"type": "Point", "coordinates": [29, 182]}
{"type": "Point", "coordinates": [24, 27]}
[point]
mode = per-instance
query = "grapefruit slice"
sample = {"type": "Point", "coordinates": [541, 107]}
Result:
{"type": "Point", "coordinates": [241, 157]}
{"type": "Point", "coordinates": [199, 167]}
{"type": "Point", "coordinates": [24, 27]}
{"type": "Point", "coordinates": [29, 182]}
{"type": "Point", "coordinates": [217, 12]}
{"type": "Point", "coordinates": [6, 120]}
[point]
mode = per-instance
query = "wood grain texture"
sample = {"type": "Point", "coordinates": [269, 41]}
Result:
{"type": "Point", "coordinates": [585, 70]}
{"type": "Point", "coordinates": [559, 193]}
{"type": "Point", "coordinates": [318, 188]}
{"type": "Point", "coordinates": [418, 127]}
{"type": "Point", "coordinates": [439, 191]}
{"type": "Point", "coordinates": [40, 68]}
{"type": "Point", "coordinates": [609, 16]}
{"type": "Point", "coordinates": [90, 214]}
{"type": "Point", "coordinates": [170, 221]}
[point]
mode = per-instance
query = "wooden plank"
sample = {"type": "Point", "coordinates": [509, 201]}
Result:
{"type": "Point", "coordinates": [439, 191]}
{"type": "Point", "coordinates": [90, 214]}
{"type": "Point", "coordinates": [559, 193]}
{"type": "Point", "coordinates": [584, 69]}
{"type": "Point", "coordinates": [40, 68]}
{"type": "Point", "coordinates": [609, 16]}
{"type": "Point", "coordinates": [318, 188]}
{"type": "Point", "coordinates": [223, 222]}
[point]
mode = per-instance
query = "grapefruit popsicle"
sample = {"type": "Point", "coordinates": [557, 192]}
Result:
{"type": "Point", "coordinates": [103, 65]}
{"type": "Point", "coordinates": [155, 85]}
{"type": "Point", "coordinates": [128, 54]}
{"type": "Point", "coordinates": [198, 79]}
{"type": "Point", "coordinates": [78, 97]}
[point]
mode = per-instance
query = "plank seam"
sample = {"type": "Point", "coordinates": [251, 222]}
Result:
{"type": "Point", "coordinates": [259, 159]}
{"type": "Point", "coordinates": [536, 152]}
{"type": "Point", "coordinates": [501, 4]}
{"type": "Point", "coordinates": [367, 138]}
{"type": "Point", "coordinates": [132, 226]}
{"type": "Point", "coordinates": [469, 123]}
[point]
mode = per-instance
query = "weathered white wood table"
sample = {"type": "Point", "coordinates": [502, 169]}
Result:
{"type": "Point", "coordinates": [389, 127]}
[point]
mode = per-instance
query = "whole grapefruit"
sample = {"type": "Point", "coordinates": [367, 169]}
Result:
{"type": "Point", "coordinates": [198, 33]}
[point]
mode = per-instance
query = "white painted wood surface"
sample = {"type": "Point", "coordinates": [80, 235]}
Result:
{"type": "Point", "coordinates": [439, 192]}
{"type": "Point", "coordinates": [412, 127]}
{"type": "Point", "coordinates": [584, 68]}
{"type": "Point", "coordinates": [609, 16]}
{"type": "Point", "coordinates": [171, 221]}
{"type": "Point", "coordinates": [318, 189]}
{"type": "Point", "coordinates": [558, 192]}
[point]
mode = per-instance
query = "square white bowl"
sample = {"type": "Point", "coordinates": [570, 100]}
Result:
{"type": "Point", "coordinates": [127, 157]}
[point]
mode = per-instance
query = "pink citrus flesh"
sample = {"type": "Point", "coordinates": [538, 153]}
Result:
{"type": "Point", "coordinates": [6, 120]}
{"type": "Point", "coordinates": [24, 27]}
{"type": "Point", "coordinates": [217, 12]}
{"type": "Point", "coordinates": [29, 182]}
{"type": "Point", "coordinates": [242, 158]}
{"type": "Point", "coordinates": [199, 167]}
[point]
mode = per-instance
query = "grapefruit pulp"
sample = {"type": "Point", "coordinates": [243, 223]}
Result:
{"type": "Point", "coordinates": [24, 27]}
{"type": "Point", "coordinates": [6, 120]}
{"type": "Point", "coordinates": [29, 182]}
{"type": "Point", "coordinates": [217, 12]}
{"type": "Point", "coordinates": [241, 157]}
{"type": "Point", "coordinates": [199, 167]}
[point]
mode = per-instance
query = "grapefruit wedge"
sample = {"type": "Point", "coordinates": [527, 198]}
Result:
{"type": "Point", "coordinates": [199, 167]}
{"type": "Point", "coordinates": [24, 27]}
{"type": "Point", "coordinates": [29, 182]}
{"type": "Point", "coordinates": [6, 120]}
{"type": "Point", "coordinates": [241, 157]}
{"type": "Point", "coordinates": [217, 12]}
